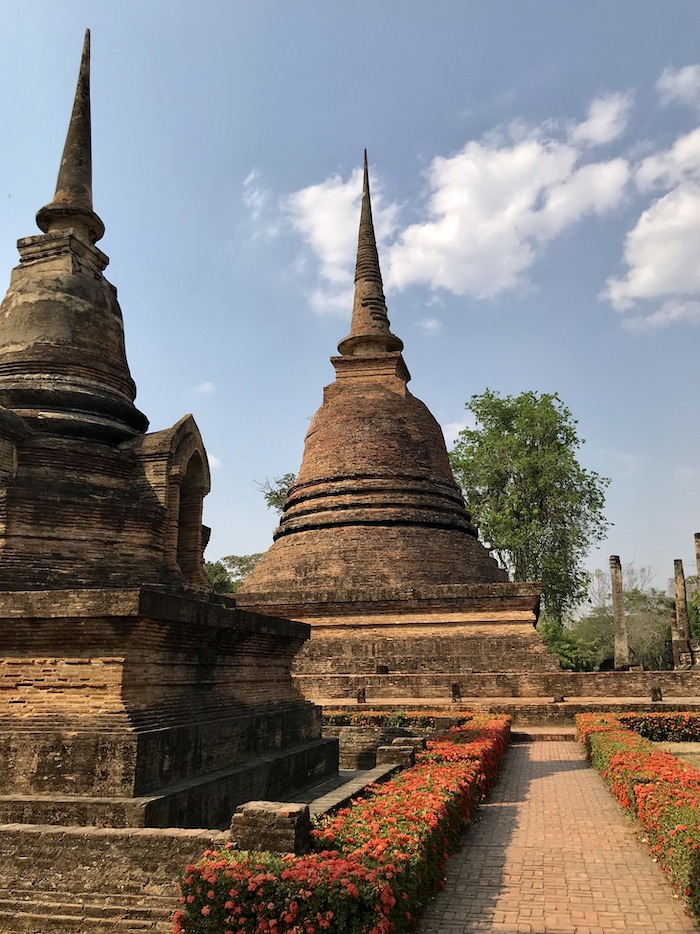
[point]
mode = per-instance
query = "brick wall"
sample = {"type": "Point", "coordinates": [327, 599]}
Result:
{"type": "Point", "coordinates": [90, 860]}
{"type": "Point", "coordinates": [480, 685]}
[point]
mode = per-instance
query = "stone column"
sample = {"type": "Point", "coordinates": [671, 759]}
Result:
{"type": "Point", "coordinates": [622, 651]}
{"type": "Point", "coordinates": [682, 621]}
{"type": "Point", "coordinates": [682, 657]}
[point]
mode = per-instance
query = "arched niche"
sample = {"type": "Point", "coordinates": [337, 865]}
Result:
{"type": "Point", "coordinates": [175, 468]}
{"type": "Point", "coordinates": [193, 487]}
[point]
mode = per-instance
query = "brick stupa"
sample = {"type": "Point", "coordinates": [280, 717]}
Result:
{"type": "Point", "coordinates": [376, 548]}
{"type": "Point", "coordinates": [128, 696]}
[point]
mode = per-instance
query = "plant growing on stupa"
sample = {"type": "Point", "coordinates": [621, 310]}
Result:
{"type": "Point", "coordinates": [275, 491]}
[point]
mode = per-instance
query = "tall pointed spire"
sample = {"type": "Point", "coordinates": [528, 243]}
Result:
{"type": "Point", "coordinates": [369, 331]}
{"type": "Point", "coordinates": [63, 364]}
{"type": "Point", "coordinates": [72, 203]}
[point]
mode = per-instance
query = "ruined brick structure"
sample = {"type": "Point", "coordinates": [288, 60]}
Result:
{"type": "Point", "coordinates": [128, 696]}
{"type": "Point", "coordinates": [88, 499]}
{"type": "Point", "coordinates": [376, 548]}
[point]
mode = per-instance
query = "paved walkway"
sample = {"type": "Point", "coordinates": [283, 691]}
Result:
{"type": "Point", "coordinates": [552, 853]}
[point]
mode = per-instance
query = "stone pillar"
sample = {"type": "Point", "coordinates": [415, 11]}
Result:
{"type": "Point", "coordinates": [682, 657]}
{"type": "Point", "coordinates": [682, 621]}
{"type": "Point", "coordinates": [695, 642]}
{"type": "Point", "coordinates": [622, 651]}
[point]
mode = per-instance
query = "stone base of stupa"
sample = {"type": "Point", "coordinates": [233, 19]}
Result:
{"type": "Point", "coordinates": [137, 708]}
{"type": "Point", "coordinates": [473, 641]}
{"type": "Point", "coordinates": [415, 643]}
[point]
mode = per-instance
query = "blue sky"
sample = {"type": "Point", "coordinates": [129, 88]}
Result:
{"type": "Point", "coordinates": [536, 179]}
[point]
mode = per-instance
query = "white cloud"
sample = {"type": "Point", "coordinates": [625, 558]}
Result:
{"type": "Point", "coordinates": [255, 197]}
{"type": "Point", "coordinates": [679, 163]}
{"type": "Point", "coordinates": [670, 312]}
{"type": "Point", "coordinates": [326, 216]}
{"type": "Point", "coordinates": [205, 387]}
{"type": "Point", "coordinates": [606, 120]}
{"type": "Point", "coordinates": [332, 301]}
{"type": "Point", "coordinates": [430, 325]}
{"type": "Point", "coordinates": [258, 200]}
{"type": "Point", "coordinates": [494, 205]}
{"type": "Point", "coordinates": [595, 188]}
{"type": "Point", "coordinates": [214, 461]}
{"type": "Point", "coordinates": [661, 250]}
{"type": "Point", "coordinates": [491, 210]}
{"type": "Point", "coordinates": [682, 84]}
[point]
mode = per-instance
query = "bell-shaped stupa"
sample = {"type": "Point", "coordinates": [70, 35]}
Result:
{"type": "Point", "coordinates": [376, 548]}
{"type": "Point", "coordinates": [375, 506]}
{"type": "Point", "coordinates": [89, 499]}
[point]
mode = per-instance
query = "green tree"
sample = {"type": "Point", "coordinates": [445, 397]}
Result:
{"type": "Point", "coordinates": [536, 506]}
{"type": "Point", "coordinates": [275, 491]}
{"type": "Point", "coordinates": [648, 615]}
{"type": "Point", "coordinates": [576, 652]}
{"type": "Point", "coordinates": [218, 577]}
{"type": "Point", "coordinates": [227, 574]}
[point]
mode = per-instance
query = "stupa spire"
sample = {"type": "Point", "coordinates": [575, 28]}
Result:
{"type": "Point", "coordinates": [63, 362]}
{"type": "Point", "coordinates": [369, 331]}
{"type": "Point", "coordinates": [72, 203]}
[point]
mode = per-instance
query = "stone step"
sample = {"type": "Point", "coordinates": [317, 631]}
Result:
{"type": "Point", "coordinates": [119, 905]}
{"type": "Point", "coordinates": [342, 795]}
{"type": "Point", "coordinates": [29, 922]}
{"type": "Point", "coordinates": [541, 734]}
{"type": "Point", "coordinates": [88, 913]}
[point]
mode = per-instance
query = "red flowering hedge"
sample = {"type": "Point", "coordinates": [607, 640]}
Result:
{"type": "Point", "coordinates": [484, 738]}
{"type": "Point", "coordinates": [588, 724]}
{"type": "Point", "coordinates": [659, 790]}
{"type": "Point", "coordinates": [375, 862]}
{"type": "Point", "coordinates": [670, 813]}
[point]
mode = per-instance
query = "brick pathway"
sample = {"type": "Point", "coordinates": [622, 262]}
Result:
{"type": "Point", "coordinates": [552, 853]}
